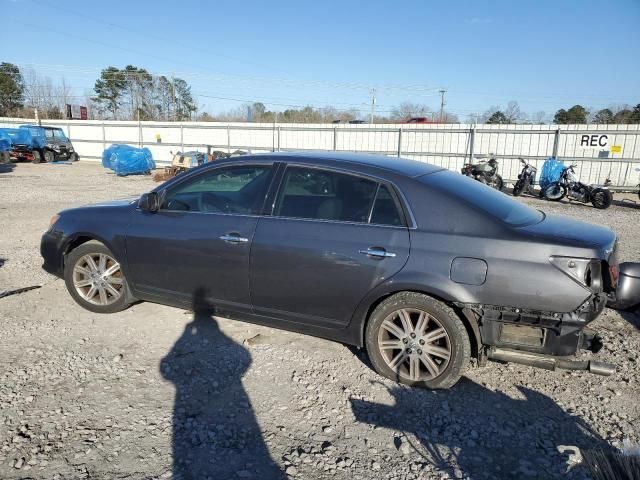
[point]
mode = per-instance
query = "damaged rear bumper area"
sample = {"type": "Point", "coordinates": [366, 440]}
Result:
{"type": "Point", "coordinates": [536, 338]}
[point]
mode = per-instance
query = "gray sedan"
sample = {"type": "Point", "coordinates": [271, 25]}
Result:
{"type": "Point", "coordinates": [422, 266]}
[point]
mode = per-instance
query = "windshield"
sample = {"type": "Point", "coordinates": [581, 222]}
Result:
{"type": "Point", "coordinates": [55, 133]}
{"type": "Point", "coordinates": [495, 203]}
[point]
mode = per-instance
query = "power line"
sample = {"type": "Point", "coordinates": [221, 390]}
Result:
{"type": "Point", "coordinates": [415, 88]}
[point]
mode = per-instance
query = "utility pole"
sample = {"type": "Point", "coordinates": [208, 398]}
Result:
{"type": "Point", "coordinates": [173, 97]}
{"type": "Point", "coordinates": [373, 105]}
{"type": "Point", "coordinates": [442, 104]}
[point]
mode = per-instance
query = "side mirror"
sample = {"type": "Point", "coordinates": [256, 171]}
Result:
{"type": "Point", "coordinates": [149, 202]}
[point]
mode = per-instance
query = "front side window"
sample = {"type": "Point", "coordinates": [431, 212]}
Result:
{"type": "Point", "coordinates": [233, 190]}
{"type": "Point", "coordinates": [58, 134]}
{"type": "Point", "coordinates": [325, 195]}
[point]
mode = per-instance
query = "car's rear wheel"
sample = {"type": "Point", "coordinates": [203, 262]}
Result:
{"type": "Point", "coordinates": [95, 279]}
{"type": "Point", "coordinates": [49, 156]}
{"type": "Point", "coordinates": [37, 156]}
{"type": "Point", "coordinates": [416, 340]}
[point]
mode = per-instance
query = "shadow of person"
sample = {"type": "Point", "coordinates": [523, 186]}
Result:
{"type": "Point", "coordinates": [632, 317]}
{"type": "Point", "coordinates": [473, 432]}
{"type": "Point", "coordinates": [215, 433]}
{"type": "Point", "coordinates": [6, 167]}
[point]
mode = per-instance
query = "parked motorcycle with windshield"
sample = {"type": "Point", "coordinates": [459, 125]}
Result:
{"type": "Point", "coordinates": [569, 186]}
{"type": "Point", "coordinates": [526, 179]}
{"type": "Point", "coordinates": [485, 172]}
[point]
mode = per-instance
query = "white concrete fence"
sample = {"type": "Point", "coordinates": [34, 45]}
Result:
{"type": "Point", "coordinates": [600, 151]}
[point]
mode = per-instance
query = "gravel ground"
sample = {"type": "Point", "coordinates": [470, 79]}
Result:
{"type": "Point", "coordinates": [157, 392]}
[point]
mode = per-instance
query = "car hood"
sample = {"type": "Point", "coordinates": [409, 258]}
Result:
{"type": "Point", "coordinates": [113, 203]}
{"type": "Point", "coordinates": [56, 141]}
{"type": "Point", "coordinates": [107, 204]}
{"type": "Point", "coordinates": [567, 231]}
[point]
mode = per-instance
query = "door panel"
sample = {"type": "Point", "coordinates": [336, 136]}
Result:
{"type": "Point", "coordinates": [312, 271]}
{"type": "Point", "coordinates": [181, 253]}
{"type": "Point", "coordinates": [197, 245]}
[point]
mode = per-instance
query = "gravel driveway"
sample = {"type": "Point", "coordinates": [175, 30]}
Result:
{"type": "Point", "coordinates": [157, 392]}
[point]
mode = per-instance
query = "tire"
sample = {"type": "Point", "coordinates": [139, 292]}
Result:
{"type": "Point", "coordinates": [555, 192]}
{"type": "Point", "coordinates": [37, 156]}
{"type": "Point", "coordinates": [496, 182]}
{"type": "Point", "coordinates": [413, 369]}
{"type": "Point", "coordinates": [518, 188]}
{"type": "Point", "coordinates": [74, 157]}
{"type": "Point", "coordinates": [79, 283]}
{"type": "Point", "coordinates": [601, 198]}
{"type": "Point", "coordinates": [49, 156]}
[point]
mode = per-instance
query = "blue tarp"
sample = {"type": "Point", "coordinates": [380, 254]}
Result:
{"type": "Point", "coordinates": [5, 141]}
{"type": "Point", "coordinates": [38, 138]}
{"type": "Point", "coordinates": [128, 160]}
{"type": "Point", "coordinates": [17, 136]}
{"type": "Point", "coordinates": [551, 170]}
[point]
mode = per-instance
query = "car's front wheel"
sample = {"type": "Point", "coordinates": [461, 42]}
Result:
{"type": "Point", "coordinates": [416, 340]}
{"type": "Point", "coordinates": [95, 279]}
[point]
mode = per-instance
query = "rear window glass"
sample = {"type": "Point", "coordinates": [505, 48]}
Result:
{"type": "Point", "coordinates": [496, 204]}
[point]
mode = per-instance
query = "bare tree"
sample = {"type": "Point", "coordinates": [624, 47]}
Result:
{"type": "Point", "coordinates": [406, 110]}
{"type": "Point", "coordinates": [538, 117]}
{"type": "Point", "coordinates": [489, 113]}
{"type": "Point", "coordinates": [513, 112]}
{"type": "Point", "coordinates": [448, 117]}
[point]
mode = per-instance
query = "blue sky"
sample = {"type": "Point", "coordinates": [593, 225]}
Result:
{"type": "Point", "coordinates": [543, 54]}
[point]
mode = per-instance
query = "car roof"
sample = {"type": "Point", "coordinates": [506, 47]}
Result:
{"type": "Point", "coordinates": [30, 125]}
{"type": "Point", "coordinates": [398, 165]}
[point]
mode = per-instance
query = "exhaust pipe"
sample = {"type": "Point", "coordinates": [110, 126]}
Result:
{"type": "Point", "coordinates": [550, 363]}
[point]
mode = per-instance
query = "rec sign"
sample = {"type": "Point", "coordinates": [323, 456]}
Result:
{"type": "Point", "coordinates": [595, 140]}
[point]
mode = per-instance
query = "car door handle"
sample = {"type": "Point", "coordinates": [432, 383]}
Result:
{"type": "Point", "coordinates": [233, 238]}
{"type": "Point", "coordinates": [377, 252]}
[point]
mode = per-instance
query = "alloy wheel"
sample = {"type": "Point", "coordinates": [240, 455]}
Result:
{"type": "Point", "coordinates": [98, 279]}
{"type": "Point", "coordinates": [414, 344]}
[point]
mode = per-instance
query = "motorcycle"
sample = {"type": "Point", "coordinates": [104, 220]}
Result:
{"type": "Point", "coordinates": [526, 179]}
{"type": "Point", "coordinates": [484, 172]}
{"type": "Point", "coordinates": [570, 186]}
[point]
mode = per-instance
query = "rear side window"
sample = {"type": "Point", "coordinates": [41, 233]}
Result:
{"type": "Point", "coordinates": [325, 195]}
